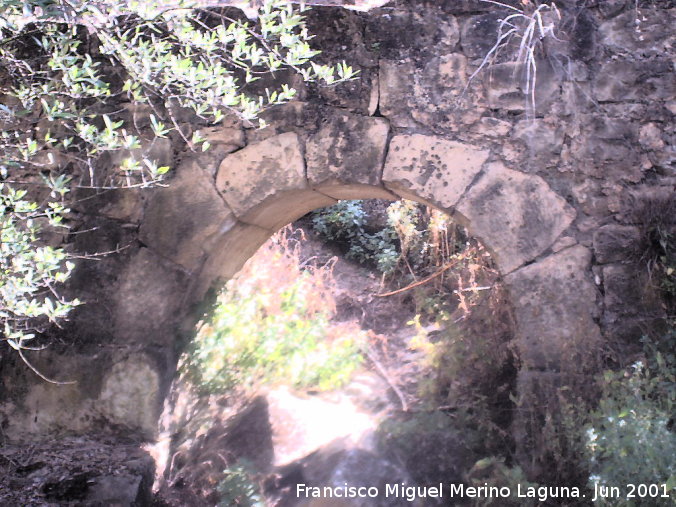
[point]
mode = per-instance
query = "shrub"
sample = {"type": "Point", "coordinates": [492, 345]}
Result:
{"type": "Point", "coordinates": [414, 235]}
{"type": "Point", "coordinates": [239, 487]}
{"type": "Point", "coordinates": [630, 439]}
{"type": "Point", "coordinates": [434, 446]}
{"type": "Point", "coordinates": [345, 222]}
{"type": "Point", "coordinates": [272, 324]}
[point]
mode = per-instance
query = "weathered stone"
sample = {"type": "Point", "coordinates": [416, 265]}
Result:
{"type": "Point", "coordinates": [265, 183]}
{"type": "Point", "coordinates": [600, 146]}
{"type": "Point", "coordinates": [346, 149]}
{"type": "Point", "coordinates": [416, 32]}
{"type": "Point", "coordinates": [434, 96]}
{"type": "Point", "coordinates": [516, 215]}
{"type": "Point", "coordinates": [492, 127]}
{"type": "Point", "coordinates": [120, 490]}
{"type": "Point", "coordinates": [650, 137]}
{"type": "Point", "coordinates": [543, 140]}
{"type": "Point", "coordinates": [507, 87]}
{"type": "Point", "coordinates": [616, 243]}
{"type": "Point", "coordinates": [432, 168]}
{"type": "Point", "coordinates": [639, 32]}
{"type": "Point", "coordinates": [394, 88]}
{"type": "Point", "coordinates": [180, 218]}
{"type": "Point", "coordinates": [479, 34]}
{"type": "Point", "coordinates": [125, 205]}
{"type": "Point", "coordinates": [289, 117]}
{"type": "Point", "coordinates": [130, 395]}
{"type": "Point", "coordinates": [629, 295]}
{"type": "Point", "coordinates": [554, 301]}
{"type": "Point", "coordinates": [625, 79]}
{"type": "Point", "coordinates": [228, 254]}
{"type": "Point", "coordinates": [611, 8]}
{"type": "Point", "coordinates": [563, 243]}
{"type": "Point", "coordinates": [148, 299]}
{"type": "Point", "coordinates": [225, 137]}
{"type": "Point", "coordinates": [251, 175]}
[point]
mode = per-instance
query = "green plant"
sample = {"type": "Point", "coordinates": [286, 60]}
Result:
{"type": "Point", "coordinates": [495, 472]}
{"type": "Point", "coordinates": [239, 487]}
{"type": "Point", "coordinates": [413, 235]}
{"type": "Point", "coordinates": [346, 222]}
{"type": "Point", "coordinates": [630, 439]}
{"type": "Point", "coordinates": [65, 68]}
{"type": "Point", "coordinates": [272, 324]}
{"type": "Point", "coordinates": [29, 272]}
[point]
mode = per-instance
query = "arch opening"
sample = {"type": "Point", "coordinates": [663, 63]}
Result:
{"type": "Point", "coordinates": [430, 331]}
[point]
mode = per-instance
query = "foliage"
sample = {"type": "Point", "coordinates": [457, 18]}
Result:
{"type": "Point", "coordinates": [272, 324]}
{"type": "Point", "coordinates": [630, 438]}
{"type": "Point", "coordinates": [345, 221]}
{"type": "Point", "coordinates": [28, 273]}
{"type": "Point", "coordinates": [413, 234]}
{"type": "Point", "coordinates": [238, 486]}
{"type": "Point", "coordinates": [65, 68]}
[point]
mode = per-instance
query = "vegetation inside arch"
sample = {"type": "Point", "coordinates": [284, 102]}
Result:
{"type": "Point", "coordinates": [378, 324]}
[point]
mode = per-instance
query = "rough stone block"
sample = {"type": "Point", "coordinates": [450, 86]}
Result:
{"type": "Point", "coordinates": [346, 149]}
{"type": "Point", "coordinates": [629, 293]}
{"type": "Point", "coordinates": [554, 302]}
{"type": "Point", "coordinates": [180, 218]}
{"type": "Point", "coordinates": [543, 141]}
{"type": "Point", "coordinates": [479, 34]}
{"type": "Point", "coordinates": [516, 215]}
{"type": "Point", "coordinates": [265, 185]}
{"type": "Point", "coordinates": [395, 87]}
{"type": "Point", "coordinates": [130, 396]}
{"type": "Point", "coordinates": [626, 79]}
{"type": "Point", "coordinates": [148, 299]}
{"type": "Point", "coordinates": [507, 87]}
{"type": "Point", "coordinates": [616, 243]}
{"type": "Point", "coordinates": [431, 168]}
{"type": "Point", "coordinates": [650, 31]}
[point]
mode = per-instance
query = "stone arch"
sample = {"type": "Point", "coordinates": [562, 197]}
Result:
{"type": "Point", "coordinates": [539, 192]}
{"type": "Point", "coordinates": [224, 208]}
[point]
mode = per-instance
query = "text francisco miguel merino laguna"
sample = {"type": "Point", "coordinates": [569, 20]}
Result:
{"type": "Point", "coordinates": [412, 493]}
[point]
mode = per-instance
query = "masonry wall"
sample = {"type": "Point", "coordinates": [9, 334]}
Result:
{"type": "Point", "coordinates": [556, 186]}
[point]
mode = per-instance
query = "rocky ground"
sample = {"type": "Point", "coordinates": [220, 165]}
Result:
{"type": "Point", "coordinates": [76, 471]}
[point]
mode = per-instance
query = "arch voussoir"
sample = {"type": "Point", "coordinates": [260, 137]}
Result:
{"type": "Point", "coordinates": [265, 184]}
{"type": "Point", "coordinates": [517, 216]}
{"type": "Point", "coordinates": [431, 169]}
{"type": "Point", "coordinates": [345, 156]}
{"type": "Point", "coordinates": [181, 217]}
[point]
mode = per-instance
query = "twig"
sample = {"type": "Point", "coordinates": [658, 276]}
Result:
{"type": "Point", "coordinates": [384, 374]}
{"type": "Point", "coordinates": [421, 282]}
{"type": "Point", "coordinates": [35, 370]}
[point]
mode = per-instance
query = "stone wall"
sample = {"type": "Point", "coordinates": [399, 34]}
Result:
{"type": "Point", "coordinates": [550, 186]}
